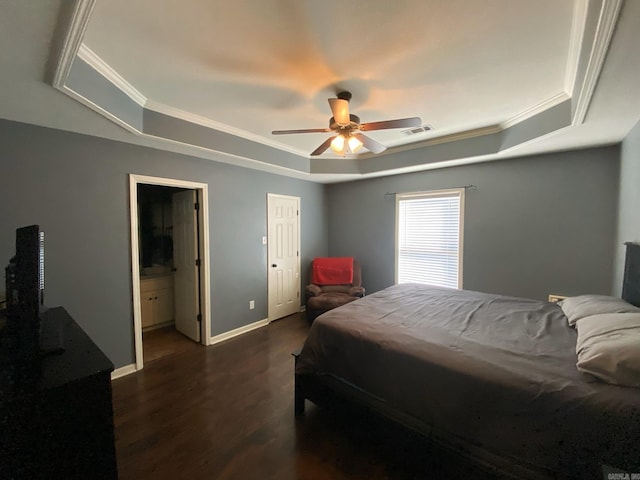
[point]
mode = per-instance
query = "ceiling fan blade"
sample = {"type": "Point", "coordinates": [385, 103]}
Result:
{"type": "Point", "coordinates": [340, 110]}
{"type": "Point", "coordinates": [399, 123]}
{"type": "Point", "coordinates": [306, 130]}
{"type": "Point", "coordinates": [370, 144]}
{"type": "Point", "coordinates": [326, 144]}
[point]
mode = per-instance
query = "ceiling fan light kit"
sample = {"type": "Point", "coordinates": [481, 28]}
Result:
{"type": "Point", "coordinates": [342, 144]}
{"type": "Point", "coordinates": [337, 144]}
{"type": "Point", "coordinates": [348, 127]}
{"type": "Point", "coordinates": [354, 144]}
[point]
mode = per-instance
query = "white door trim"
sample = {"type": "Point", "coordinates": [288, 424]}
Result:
{"type": "Point", "coordinates": [297, 199]}
{"type": "Point", "coordinates": [203, 213]}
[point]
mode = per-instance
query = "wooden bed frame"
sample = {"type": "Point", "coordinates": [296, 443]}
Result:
{"type": "Point", "coordinates": [331, 392]}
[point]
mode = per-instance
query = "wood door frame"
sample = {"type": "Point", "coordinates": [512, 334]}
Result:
{"type": "Point", "coordinates": [205, 274]}
{"type": "Point", "coordinates": [299, 201]}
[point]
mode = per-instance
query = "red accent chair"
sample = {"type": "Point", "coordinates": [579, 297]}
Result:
{"type": "Point", "coordinates": [321, 298]}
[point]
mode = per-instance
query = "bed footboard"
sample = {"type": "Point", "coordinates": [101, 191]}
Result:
{"type": "Point", "coordinates": [331, 393]}
{"type": "Point", "coordinates": [298, 395]}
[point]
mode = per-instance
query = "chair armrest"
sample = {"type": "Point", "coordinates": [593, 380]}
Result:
{"type": "Point", "coordinates": [356, 292]}
{"type": "Point", "coordinates": [312, 290]}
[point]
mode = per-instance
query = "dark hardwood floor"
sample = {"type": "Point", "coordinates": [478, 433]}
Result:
{"type": "Point", "coordinates": [164, 341]}
{"type": "Point", "coordinates": [226, 412]}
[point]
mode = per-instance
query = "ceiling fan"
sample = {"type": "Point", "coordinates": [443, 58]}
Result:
{"type": "Point", "coordinates": [347, 127]}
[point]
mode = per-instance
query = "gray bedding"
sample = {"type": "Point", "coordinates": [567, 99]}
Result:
{"type": "Point", "coordinates": [484, 371]}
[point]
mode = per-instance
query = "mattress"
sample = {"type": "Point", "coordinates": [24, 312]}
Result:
{"type": "Point", "coordinates": [488, 371]}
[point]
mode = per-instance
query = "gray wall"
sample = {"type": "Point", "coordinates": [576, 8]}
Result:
{"type": "Point", "coordinates": [76, 188]}
{"type": "Point", "coordinates": [629, 201]}
{"type": "Point", "coordinates": [534, 226]}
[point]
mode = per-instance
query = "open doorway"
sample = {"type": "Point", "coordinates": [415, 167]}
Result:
{"type": "Point", "coordinates": [170, 267]}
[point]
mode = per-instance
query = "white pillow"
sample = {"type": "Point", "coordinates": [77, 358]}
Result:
{"type": "Point", "coordinates": [582, 306]}
{"type": "Point", "coordinates": [608, 347]}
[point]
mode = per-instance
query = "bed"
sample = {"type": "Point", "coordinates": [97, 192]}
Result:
{"type": "Point", "coordinates": [490, 376]}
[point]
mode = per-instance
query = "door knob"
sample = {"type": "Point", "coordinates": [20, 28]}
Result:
{"type": "Point", "coordinates": [273, 265]}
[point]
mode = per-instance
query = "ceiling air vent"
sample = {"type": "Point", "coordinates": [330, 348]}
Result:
{"type": "Point", "coordinates": [416, 130]}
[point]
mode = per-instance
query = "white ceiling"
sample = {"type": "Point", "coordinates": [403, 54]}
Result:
{"type": "Point", "coordinates": [254, 66]}
{"type": "Point", "coordinates": [264, 65]}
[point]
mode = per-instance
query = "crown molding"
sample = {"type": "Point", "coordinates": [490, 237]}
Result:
{"type": "Point", "coordinates": [73, 47]}
{"type": "Point", "coordinates": [234, 159]}
{"type": "Point", "coordinates": [225, 157]}
{"type": "Point", "coordinates": [92, 59]}
{"type": "Point", "coordinates": [78, 24]}
{"type": "Point", "coordinates": [481, 131]}
{"type": "Point", "coordinates": [464, 135]}
{"type": "Point", "coordinates": [580, 9]}
{"type": "Point", "coordinates": [207, 122]}
{"type": "Point", "coordinates": [451, 137]}
{"type": "Point", "coordinates": [100, 66]}
{"type": "Point", "coordinates": [97, 108]}
{"type": "Point", "coordinates": [477, 132]}
{"type": "Point", "coordinates": [535, 109]}
{"type": "Point", "coordinates": [104, 69]}
{"type": "Point", "coordinates": [607, 20]}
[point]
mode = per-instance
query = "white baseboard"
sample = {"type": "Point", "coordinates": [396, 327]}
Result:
{"type": "Point", "coordinates": [123, 371]}
{"type": "Point", "coordinates": [238, 331]}
{"type": "Point", "coordinates": [129, 369]}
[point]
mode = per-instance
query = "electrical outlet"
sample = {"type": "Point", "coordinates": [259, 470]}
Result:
{"type": "Point", "coordinates": [252, 304]}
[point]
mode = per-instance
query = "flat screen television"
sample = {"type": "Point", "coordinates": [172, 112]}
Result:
{"type": "Point", "coordinates": [25, 297]}
{"type": "Point", "coordinates": [25, 274]}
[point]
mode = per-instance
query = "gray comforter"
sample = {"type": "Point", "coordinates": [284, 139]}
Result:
{"type": "Point", "coordinates": [490, 372]}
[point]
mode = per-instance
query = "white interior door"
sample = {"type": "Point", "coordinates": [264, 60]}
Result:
{"type": "Point", "coordinates": [283, 219]}
{"type": "Point", "coordinates": [185, 254]}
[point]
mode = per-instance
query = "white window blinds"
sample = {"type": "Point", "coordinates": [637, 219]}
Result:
{"type": "Point", "coordinates": [429, 237]}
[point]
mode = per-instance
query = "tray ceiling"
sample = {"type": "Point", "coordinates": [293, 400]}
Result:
{"type": "Point", "coordinates": [491, 78]}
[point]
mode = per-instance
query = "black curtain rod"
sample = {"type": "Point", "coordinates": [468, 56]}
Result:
{"type": "Point", "coordinates": [470, 187]}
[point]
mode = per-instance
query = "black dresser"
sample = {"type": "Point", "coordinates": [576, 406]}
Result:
{"type": "Point", "coordinates": [56, 414]}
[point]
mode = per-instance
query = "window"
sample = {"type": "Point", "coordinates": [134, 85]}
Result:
{"type": "Point", "coordinates": [429, 228]}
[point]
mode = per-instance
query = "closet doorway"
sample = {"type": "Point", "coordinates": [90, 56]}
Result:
{"type": "Point", "coordinates": [170, 266]}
